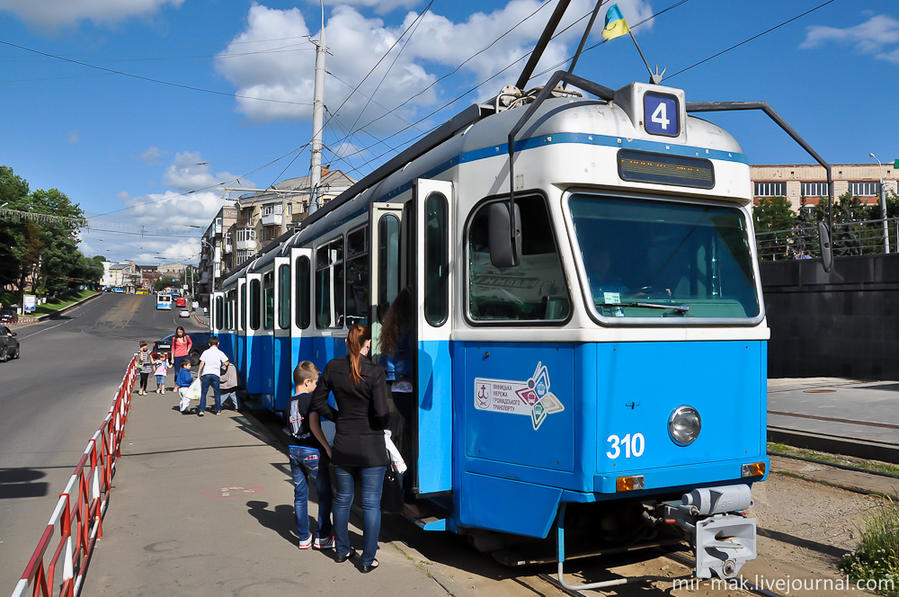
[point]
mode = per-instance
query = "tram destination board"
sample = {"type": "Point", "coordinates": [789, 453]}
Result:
{"type": "Point", "coordinates": [660, 168]}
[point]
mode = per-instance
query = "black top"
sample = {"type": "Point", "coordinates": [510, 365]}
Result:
{"type": "Point", "coordinates": [363, 413]}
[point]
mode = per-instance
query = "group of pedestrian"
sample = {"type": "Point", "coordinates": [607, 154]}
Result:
{"type": "Point", "coordinates": [356, 453]}
{"type": "Point", "coordinates": [366, 408]}
{"type": "Point", "coordinates": [216, 372]}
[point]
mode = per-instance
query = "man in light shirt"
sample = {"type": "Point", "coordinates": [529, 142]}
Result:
{"type": "Point", "coordinates": [211, 362]}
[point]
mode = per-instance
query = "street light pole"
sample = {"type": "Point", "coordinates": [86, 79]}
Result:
{"type": "Point", "coordinates": [883, 207]}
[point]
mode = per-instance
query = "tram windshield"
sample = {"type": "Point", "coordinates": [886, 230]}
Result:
{"type": "Point", "coordinates": [650, 259]}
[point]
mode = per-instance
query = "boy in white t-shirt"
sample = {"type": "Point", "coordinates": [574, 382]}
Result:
{"type": "Point", "coordinates": [211, 362]}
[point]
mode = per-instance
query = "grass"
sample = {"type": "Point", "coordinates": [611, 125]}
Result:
{"type": "Point", "coordinates": [868, 465]}
{"type": "Point", "coordinates": [877, 556]}
{"type": "Point", "coordinates": [51, 307]}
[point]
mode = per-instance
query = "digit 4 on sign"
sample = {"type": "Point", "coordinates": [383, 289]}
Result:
{"type": "Point", "coordinates": [661, 114]}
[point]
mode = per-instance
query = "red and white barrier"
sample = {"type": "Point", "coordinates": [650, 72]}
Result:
{"type": "Point", "coordinates": [79, 512]}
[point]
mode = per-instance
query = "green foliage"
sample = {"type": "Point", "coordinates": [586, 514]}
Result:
{"type": "Point", "coordinates": [877, 554]}
{"type": "Point", "coordinates": [44, 250]}
{"type": "Point", "coordinates": [773, 213]}
{"type": "Point", "coordinates": [166, 281]}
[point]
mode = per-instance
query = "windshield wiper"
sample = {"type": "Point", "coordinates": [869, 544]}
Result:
{"type": "Point", "coordinates": [678, 308]}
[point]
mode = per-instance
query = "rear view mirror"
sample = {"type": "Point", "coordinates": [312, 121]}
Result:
{"type": "Point", "coordinates": [826, 246]}
{"type": "Point", "coordinates": [505, 234]}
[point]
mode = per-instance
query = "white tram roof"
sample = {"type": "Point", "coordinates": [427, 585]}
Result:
{"type": "Point", "coordinates": [476, 133]}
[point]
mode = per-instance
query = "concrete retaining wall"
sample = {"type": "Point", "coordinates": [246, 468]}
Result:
{"type": "Point", "coordinates": [841, 324]}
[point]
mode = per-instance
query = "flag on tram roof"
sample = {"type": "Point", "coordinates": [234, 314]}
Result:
{"type": "Point", "coordinates": [616, 26]}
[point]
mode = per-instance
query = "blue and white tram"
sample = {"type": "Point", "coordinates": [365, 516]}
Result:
{"type": "Point", "coordinates": [606, 360]}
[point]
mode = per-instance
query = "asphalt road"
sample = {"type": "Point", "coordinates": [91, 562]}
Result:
{"type": "Point", "coordinates": [53, 399]}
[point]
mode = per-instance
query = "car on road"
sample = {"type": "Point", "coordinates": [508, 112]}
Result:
{"type": "Point", "coordinates": [8, 315]}
{"type": "Point", "coordinates": [180, 301]}
{"type": "Point", "coordinates": [183, 313]}
{"type": "Point", "coordinates": [9, 346]}
{"type": "Point", "coordinates": [199, 343]}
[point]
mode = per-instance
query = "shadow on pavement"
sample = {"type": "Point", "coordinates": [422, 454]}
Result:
{"type": "Point", "coordinates": [22, 483]}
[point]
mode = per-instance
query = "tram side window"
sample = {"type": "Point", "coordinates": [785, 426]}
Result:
{"type": "Point", "coordinates": [301, 267]}
{"type": "Point", "coordinates": [284, 297]}
{"type": "Point", "coordinates": [255, 310]}
{"type": "Point", "coordinates": [268, 296]}
{"type": "Point", "coordinates": [357, 277]}
{"type": "Point", "coordinates": [388, 261]}
{"type": "Point", "coordinates": [329, 285]}
{"type": "Point", "coordinates": [535, 290]}
{"type": "Point", "coordinates": [219, 313]}
{"type": "Point", "coordinates": [229, 310]}
{"type": "Point", "coordinates": [243, 306]}
{"type": "Point", "coordinates": [436, 260]}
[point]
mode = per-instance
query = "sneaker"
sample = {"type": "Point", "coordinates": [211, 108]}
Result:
{"type": "Point", "coordinates": [305, 543]}
{"type": "Point", "coordinates": [323, 543]}
{"type": "Point", "coordinates": [200, 413]}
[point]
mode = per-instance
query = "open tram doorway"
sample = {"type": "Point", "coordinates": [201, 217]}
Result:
{"type": "Point", "coordinates": [410, 253]}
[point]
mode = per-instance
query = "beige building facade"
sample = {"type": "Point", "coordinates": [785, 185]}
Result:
{"type": "Point", "coordinates": [806, 184]}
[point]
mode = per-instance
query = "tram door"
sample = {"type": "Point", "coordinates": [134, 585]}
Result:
{"type": "Point", "coordinates": [410, 248]}
{"type": "Point", "coordinates": [431, 230]}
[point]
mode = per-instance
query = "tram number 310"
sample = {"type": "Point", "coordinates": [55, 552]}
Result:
{"type": "Point", "coordinates": [630, 445]}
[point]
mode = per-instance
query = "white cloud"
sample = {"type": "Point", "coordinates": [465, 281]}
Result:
{"type": "Point", "coordinates": [151, 156]}
{"type": "Point", "coordinates": [189, 172]}
{"type": "Point", "coordinates": [52, 14]}
{"type": "Point", "coordinates": [356, 42]}
{"type": "Point", "coordinates": [869, 37]}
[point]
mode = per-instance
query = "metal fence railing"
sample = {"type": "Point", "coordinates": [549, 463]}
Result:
{"type": "Point", "coordinates": [863, 237]}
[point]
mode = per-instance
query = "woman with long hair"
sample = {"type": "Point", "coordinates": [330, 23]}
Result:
{"type": "Point", "coordinates": [181, 345]}
{"type": "Point", "coordinates": [359, 453]}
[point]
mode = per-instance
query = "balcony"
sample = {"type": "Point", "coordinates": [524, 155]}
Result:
{"type": "Point", "coordinates": [227, 246]}
{"type": "Point", "coordinates": [271, 220]}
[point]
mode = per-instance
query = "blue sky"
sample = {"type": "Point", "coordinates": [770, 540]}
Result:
{"type": "Point", "coordinates": [126, 148]}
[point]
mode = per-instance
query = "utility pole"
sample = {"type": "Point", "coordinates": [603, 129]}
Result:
{"type": "Point", "coordinates": [883, 207]}
{"type": "Point", "coordinates": [318, 113]}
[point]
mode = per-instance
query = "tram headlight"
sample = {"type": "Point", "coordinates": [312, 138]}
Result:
{"type": "Point", "coordinates": [684, 425]}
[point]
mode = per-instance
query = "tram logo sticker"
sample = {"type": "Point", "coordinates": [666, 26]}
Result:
{"type": "Point", "coordinates": [530, 398]}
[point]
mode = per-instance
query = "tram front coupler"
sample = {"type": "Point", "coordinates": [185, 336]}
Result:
{"type": "Point", "coordinates": [723, 538]}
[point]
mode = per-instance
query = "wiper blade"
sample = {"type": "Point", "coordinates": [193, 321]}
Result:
{"type": "Point", "coordinates": [678, 308]}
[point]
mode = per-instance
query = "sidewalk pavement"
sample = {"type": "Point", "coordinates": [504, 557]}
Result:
{"type": "Point", "coordinates": [204, 506]}
{"type": "Point", "coordinates": [854, 417]}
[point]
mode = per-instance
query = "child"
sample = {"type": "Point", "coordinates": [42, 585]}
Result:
{"type": "Point", "coordinates": [183, 380]}
{"type": "Point", "coordinates": [162, 369]}
{"type": "Point", "coordinates": [310, 456]}
{"type": "Point", "coordinates": [146, 367]}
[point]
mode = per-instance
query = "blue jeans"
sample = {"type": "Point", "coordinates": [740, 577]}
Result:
{"type": "Point", "coordinates": [233, 396]}
{"type": "Point", "coordinates": [176, 366]}
{"type": "Point", "coordinates": [303, 461]}
{"type": "Point", "coordinates": [372, 478]}
{"type": "Point", "coordinates": [210, 380]}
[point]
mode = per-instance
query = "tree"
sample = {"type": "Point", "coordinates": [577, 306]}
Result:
{"type": "Point", "coordinates": [774, 220]}
{"type": "Point", "coordinates": [41, 248]}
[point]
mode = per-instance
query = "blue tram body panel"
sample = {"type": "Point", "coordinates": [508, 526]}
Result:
{"type": "Point", "coordinates": [226, 345]}
{"type": "Point", "coordinates": [282, 388]}
{"type": "Point", "coordinates": [596, 397]}
{"type": "Point", "coordinates": [259, 364]}
{"type": "Point", "coordinates": [435, 413]}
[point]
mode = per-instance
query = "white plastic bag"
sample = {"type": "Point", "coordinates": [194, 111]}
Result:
{"type": "Point", "coordinates": [193, 392]}
{"type": "Point", "coordinates": [396, 459]}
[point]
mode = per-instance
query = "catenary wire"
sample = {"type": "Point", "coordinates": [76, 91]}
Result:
{"type": "Point", "coordinates": [151, 79]}
{"type": "Point", "coordinates": [749, 39]}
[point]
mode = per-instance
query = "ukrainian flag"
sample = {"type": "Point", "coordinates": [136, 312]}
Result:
{"type": "Point", "coordinates": [616, 26]}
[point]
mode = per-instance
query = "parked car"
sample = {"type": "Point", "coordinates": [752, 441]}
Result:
{"type": "Point", "coordinates": [199, 343]}
{"type": "Point", "coordinates": [9, 346]}
{"type": "Point", "coordinates": [8, 315]}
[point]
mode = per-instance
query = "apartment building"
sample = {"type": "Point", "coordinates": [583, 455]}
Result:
{"type": "Point", "coordinates": [806, 184]}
